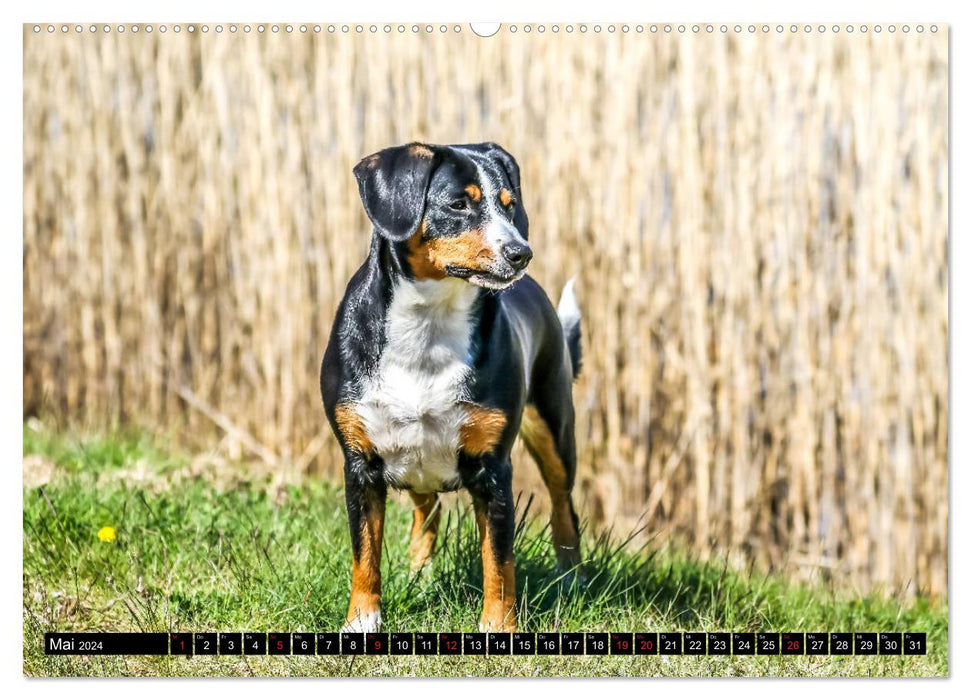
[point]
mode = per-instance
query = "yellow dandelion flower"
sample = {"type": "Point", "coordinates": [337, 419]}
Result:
{"type": "Point", "coordinates": [106, 534]}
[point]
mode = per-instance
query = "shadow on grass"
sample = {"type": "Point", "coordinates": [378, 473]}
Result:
{"type": "Point", "coordinates": [622, 583]}
{"type": "Point", "coordinates": [616, 580]}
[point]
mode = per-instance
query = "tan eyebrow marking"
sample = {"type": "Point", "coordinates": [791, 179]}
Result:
{"type": "Point", "coordinates": [475, 194]}
{"type": "Point", "coordinates": [419, 151]}
{"type": "Point", "coordinates": [505, 197]}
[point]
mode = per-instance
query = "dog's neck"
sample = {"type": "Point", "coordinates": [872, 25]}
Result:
{"type": "Point", "coordinates": [388, 303]}
{"type": "Point", "coordinates": [430, 322]}
{"type": "Point", "coordinates": [448, 295]}
{"type": "Point", "coordinates": [437, 298]}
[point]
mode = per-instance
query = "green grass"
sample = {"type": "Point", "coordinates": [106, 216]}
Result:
{"type": "Point", "coordinates": [224, 549]}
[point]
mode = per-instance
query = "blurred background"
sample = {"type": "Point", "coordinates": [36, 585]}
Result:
{"type": "Point", "coordinates": [758, 225]}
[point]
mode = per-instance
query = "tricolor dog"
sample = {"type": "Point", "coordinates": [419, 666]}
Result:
{"type": "Point", "coordinates": [442, 351]}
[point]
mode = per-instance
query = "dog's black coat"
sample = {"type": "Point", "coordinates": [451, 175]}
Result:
{"type": "Point", "coordinates": [395, 189]}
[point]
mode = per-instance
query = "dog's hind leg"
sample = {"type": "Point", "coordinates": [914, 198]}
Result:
{"type": "Point", "coordinates": [424, 529]}
{"type": "Point", "coordinates": [548, 435]}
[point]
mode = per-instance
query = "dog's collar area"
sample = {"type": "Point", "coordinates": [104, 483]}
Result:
{"type": "Point", "coordinates": [448, 295]}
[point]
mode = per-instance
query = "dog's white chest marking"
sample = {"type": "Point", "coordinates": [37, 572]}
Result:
{"type": "Point", "coordinates": [412, 408]}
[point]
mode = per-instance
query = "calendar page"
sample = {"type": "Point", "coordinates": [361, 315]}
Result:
{"type": "Point", "coordinates": [520, 349]}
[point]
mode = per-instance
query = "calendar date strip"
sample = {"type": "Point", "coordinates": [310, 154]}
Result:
{"type": "Point", "coordinates": [487, 644]}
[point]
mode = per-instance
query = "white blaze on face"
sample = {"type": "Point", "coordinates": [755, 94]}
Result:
{"type": "Point", "coordinates": [499, 230]}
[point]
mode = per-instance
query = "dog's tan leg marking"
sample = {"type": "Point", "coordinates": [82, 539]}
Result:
{"type": "Point", "coordinates": [482, 429]}
{"type": "Point", "coordinates": [424, 528]}
{"type": "Point", "coordinates": [498, 581]}
{"type": "Point", "coordinates": [364, 610]}
{"type": "Point", "coordinates": [352, 429]}
{"type": "Point", "coordinates": [541, 445]}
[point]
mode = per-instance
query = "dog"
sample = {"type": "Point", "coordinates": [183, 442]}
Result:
{"type": "Point", "coordinates": [442, 351]}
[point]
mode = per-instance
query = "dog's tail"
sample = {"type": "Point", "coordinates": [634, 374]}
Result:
{"type": "Point", "coordinates": [569, 312]}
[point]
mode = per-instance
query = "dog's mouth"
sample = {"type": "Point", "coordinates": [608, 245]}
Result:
{"type": "Point", "coordinates": [483, 278]}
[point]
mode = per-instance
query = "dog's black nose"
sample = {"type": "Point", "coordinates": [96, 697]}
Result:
{"type": "Point", "coordinates": [517, 254]}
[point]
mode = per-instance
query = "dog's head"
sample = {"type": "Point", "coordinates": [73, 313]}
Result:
{"type": "Point", "coordinates": [452, 211]}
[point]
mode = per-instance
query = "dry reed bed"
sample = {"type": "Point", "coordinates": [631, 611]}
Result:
{"type": "Point", "coordinates": [759, 226]}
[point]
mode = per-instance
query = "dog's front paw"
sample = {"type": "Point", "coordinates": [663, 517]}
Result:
{"type": "Point", "coordinates": [369, 622]}
{"type": "Point", "coordinates": [506, 623]}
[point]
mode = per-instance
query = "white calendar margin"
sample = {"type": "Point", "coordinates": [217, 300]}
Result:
{"type": "Point", "coordinates": [603, 11]}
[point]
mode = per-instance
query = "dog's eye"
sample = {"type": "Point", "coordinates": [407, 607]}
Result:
{"type": "Point", "coordinates": [460, 204]}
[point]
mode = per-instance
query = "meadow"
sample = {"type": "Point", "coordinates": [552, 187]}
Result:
{"type": "Point", "coordinates": [758, 225]}
{"type": "Point", "coordinates": [202, 545]}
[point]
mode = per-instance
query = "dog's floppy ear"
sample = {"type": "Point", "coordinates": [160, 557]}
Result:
{"type": "Point", "coordinates": [393, 183]}
{"type": "Point", "coordinates": [509, 164]}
